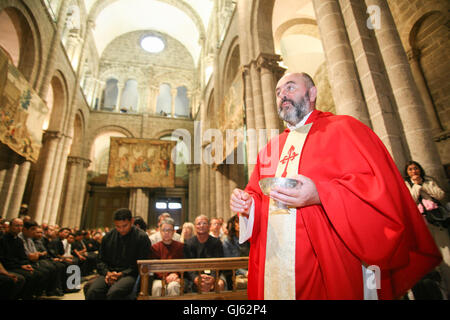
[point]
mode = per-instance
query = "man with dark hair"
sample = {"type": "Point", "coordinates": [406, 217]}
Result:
{"type": "Point", "coordinates": [15, 260]}
{"type": "Point", "coordinates": [11, 284]}
{"type": "Point", "coordinates": [57, 251]}
{"type": "Point", "coordinates": [48, 278]}
{"type": "Point", "coordinates": [46, 260]}
{"type": "Point", "coordinates": [79, 249]}
{"type": "Point", "coordinates": [117, 261]}
{"type": "Point", "coordinates": [140, 223]}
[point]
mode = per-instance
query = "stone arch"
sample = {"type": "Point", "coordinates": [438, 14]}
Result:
{"type": "Point", "coordinates": [261, 26]}
{"type": "Point", "coordinates": [232, 64]}
{"type": "Point", "coordinates": [408, 25]}
{"type": "Point", "coordinates": [98, 133]}
{"type": "Point", "coordinates": [412, 34]}
{"type": "Point", "coordinates": [60, 106]}
{"type": "Point", "coordinates": [163, 133]}
{"type": "Point", "coordinates": [428, 40]}
{"type": "Point", "coordinates": [285, 26]}
{"type": "Point", "coordinates": [29, 62]}
{"type": "Point", "coordinates": [78, 135]}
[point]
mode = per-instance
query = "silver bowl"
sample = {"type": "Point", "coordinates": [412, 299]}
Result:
{"type": "Point", "coordinates": [267, 184]}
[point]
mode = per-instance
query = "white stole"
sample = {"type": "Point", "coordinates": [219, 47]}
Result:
{"type": "Point", "coordinates": [279, 274]}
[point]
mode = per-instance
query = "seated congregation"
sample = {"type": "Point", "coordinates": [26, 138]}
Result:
{"type": "Point", "coordinates": [37, 261]}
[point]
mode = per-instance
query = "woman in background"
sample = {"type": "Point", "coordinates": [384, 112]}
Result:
{"type": "Point", "coordinates": [428, 195]}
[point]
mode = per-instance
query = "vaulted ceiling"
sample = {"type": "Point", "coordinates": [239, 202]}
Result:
{"type": "Point", "coordinates": [184, 20]}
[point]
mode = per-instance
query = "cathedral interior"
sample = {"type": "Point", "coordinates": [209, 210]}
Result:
{"type": "Point", "coordinates": [86, 86]}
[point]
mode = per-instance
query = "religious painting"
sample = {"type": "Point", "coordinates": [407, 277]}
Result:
{"type": "Point", "coordinates": [141, 163]}
{"type": "Point", "coordinates": [22, 112]}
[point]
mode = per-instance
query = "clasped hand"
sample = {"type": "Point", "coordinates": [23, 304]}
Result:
{"type": "Point", "coordinates": [112, 277]}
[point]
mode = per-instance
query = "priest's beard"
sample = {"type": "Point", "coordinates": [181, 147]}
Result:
{"type": "Point", "coordinates": [297, 112]}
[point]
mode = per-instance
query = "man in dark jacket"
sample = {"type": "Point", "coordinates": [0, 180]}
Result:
{"type": "Point", "coordinates": [117, 261]}
{"type": "Point", "coordinates": [203, 245]}
{"type": "Point", "coordinates": [15, 260]}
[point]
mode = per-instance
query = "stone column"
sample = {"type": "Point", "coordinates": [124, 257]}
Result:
{"type": "Point", "coordinates": [341, 66]}
{"type": "Point", "coordinates": [8, 186]}
{"type": "Point", "coordinates": [219, 191]}
{"type": "Point", "coordinates": [120, 87]}
{"type": "Point", "coordinates": [250, 119]}
{"type": "Point", "coordinates": [203, 190]}
{"type": "Point", "coordinates": [190, 97]}
{"type": "Point", "coordinates": [212, 192]}
{"type": "Point", "coordinates": [270, 73]}
{"type": "Point", "coordinates": [173, 93]}
{"type": "Point", "coordinates": [410, 106]}
{"type": "Point", "coordinates": [72, 43]}
{"type": "Point", "coordinates": [192, 192]}
{"type": "Point", "coordinates": [139, 200]}
{"type": "Point", "coordinates": [227, 192]}
{"type": "Point", "coordinates": [383, 115]}
{"type": "Point", "coordinates": [153, 100]}
{"type": "Point", "coordinates": [67, 202]}
{"type": "Point", "coordinates": [19, 188]}
{"type": "Point", "coordinates": [54, 45]}
{"type": "Point", "coordinates": [256, 93]}
{"type": "Point", "coordinates": [75, 192]}
{"type": "Point", "coordinates": [207, 196]}
{"type": "Point", "coordinates": [45, 166]}
{"type": "Point", "coordinates": [60, 164]}
{"type": "Point", "coordinates": [414, 61]}
{"type": "Point", "coordinates": [234, 177]}
{"type": "Point", "coordinates": [85, 163]}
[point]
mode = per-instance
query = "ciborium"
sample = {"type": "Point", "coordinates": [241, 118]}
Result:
{"type": "Point", "coordinates": [267, 184]}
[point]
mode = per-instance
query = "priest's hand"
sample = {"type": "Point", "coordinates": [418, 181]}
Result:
{"type": "Point", "coordinates": [240, 202]}
{"type": "Point", "coordinates": [303, 195]}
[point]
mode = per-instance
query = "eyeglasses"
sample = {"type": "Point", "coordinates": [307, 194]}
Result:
{"type": "Point", "coordinates": [167, 230]}
{"type": "Point", "coordinates": [201, 223]}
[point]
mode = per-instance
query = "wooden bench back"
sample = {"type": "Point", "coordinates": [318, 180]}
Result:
{"type": "Point", "coordinates": [146, 267]}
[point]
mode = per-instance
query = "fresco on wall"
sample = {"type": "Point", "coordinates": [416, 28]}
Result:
{"type": "Point", "coordinates": [141, 163]}
{"type": "Point", "coordinates": [22, 112]}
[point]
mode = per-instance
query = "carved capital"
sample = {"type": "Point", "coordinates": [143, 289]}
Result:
{"type": "Point", "coordinates": [245, 70]}
{"type": "Point", "coordinates": [51, 135]}
{"type": "Point", "coordinates": [78, 161]}
{"type": "Point", "coordinates": [269, 63]}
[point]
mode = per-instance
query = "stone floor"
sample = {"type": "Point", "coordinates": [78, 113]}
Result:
{"type": "Point", "coordinates": [71, 296]}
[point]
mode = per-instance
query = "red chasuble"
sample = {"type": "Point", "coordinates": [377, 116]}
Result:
{"type": "Point", "coordinates": [367, 216]}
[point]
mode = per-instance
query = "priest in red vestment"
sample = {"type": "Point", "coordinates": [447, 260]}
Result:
{"type": "Point", "coordinates": [353, 230]}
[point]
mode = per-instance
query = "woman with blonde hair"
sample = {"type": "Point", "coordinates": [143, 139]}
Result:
{"type": "Point", "coordinates": [187, 231]}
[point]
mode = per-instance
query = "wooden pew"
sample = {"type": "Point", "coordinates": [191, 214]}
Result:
{"type": "Point", "coordinates": [184, 265]}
